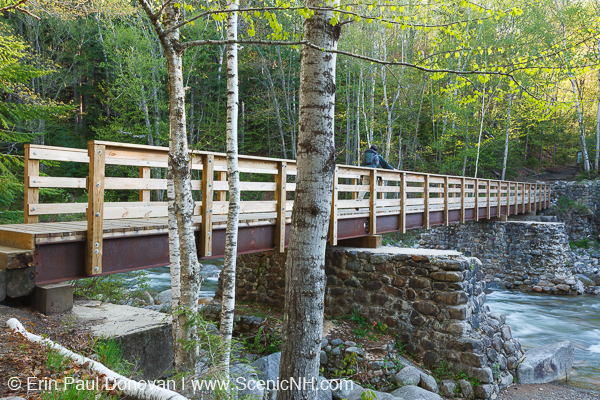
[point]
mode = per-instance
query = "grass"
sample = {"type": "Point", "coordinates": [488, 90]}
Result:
{"type": "Point", "coordinates": [110, 354]}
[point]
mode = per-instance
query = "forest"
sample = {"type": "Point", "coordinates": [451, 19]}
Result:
{"type": "Point", "coordinates": [76, 71]}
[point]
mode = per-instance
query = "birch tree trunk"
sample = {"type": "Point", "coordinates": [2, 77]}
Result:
{"type": "Point", "coordinates": [510, 99]}
{"type": "Point", "coordinates": [174, 261]}
{"type": "Point", "coordinates": [233, 175]}
{"type": "Point", "coordinates": [480, 131]}
{"type": "Point", "coordinates": [305, 264]}
{"type": "Point", "coordinates": [179, 161]}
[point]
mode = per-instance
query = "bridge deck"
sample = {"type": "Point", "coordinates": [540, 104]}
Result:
{"type": "Point", "coordinates": [125, 236]}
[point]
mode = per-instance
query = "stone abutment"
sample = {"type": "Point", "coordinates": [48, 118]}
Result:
{"type": "Point", "coordinates": [433, 300]}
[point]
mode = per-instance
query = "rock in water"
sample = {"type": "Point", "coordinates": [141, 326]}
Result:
{"type": "Point", "coordinates": [548, 363]}
{"type": "Point", "coordinates": [414, 393]}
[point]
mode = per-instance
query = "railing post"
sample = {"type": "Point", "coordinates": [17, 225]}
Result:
{"type": "Point", "coordinates": [95, 209]}
{"type": "Point", "coordinates": [488, 212]}
{"type": "Point", "coordinates": [281, 198]}
{"type": "Point", "coordinates": [32, 195]}
{"type": "Point", "coordinates": [208, 172]}
{"type": "Point", "coordinates": [333, 220]}
{"type": "Point", "coordinates": [144, 195]}
{"type": "Point", "coordinates": [476, 192]}
{"type": "Point", "coordinates": [373, 205]}
{"type": "Point", "coordinates": [426, 202]}
{"type": "Point", "coordinates": [529, 197]}
{"type": "Point", "coordinates": [499, 199]}
{"type": "Point", "coordinates": [462, 201]}
{"type": "Point", "coordinates": [446, 204]}
{"type": "Point", "coordinates": [222, 194]}
{"type": "Point", "coordinates": [402, 221]}
{"type": "Point", "coordinates": [355, 194]}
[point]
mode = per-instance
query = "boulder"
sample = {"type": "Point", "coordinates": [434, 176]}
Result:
{"type": "Point", "coordinates": [357, 394]}
{"type": "Point", "coordinates": [447, 388]}
{"type": "Point", "coordinates": [245, 379]}
{"type": "Point", "coordinates": [548, 363]}
{"type": "Point", "coordinates": [408, 376]}
{"type": "Point", "coordinates": [267, 368]}
{"type": "Point", "coordinates": [414, 393]}
{"type": "Point", "coordinates": [428, 383]}
{"type": "Point", "coordinates": [341, 388]}
{"type": "Point", "coordinates": [165, 297]}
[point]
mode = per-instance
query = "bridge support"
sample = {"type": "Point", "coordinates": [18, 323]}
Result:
{"type": "Point", "coordinates": [53, 298]}
{"type": "Point", "coordinates": [368, 242]}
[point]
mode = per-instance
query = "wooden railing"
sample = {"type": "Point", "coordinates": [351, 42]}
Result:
{"type": "Point", "coordinates": [389, 193]}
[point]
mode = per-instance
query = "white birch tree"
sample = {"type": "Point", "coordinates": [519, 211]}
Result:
{"type": "Point", "coordinates": [233, 175]}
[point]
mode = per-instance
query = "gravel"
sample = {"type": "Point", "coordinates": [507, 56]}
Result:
{"type": "Point", "coordinates": [546, 392]}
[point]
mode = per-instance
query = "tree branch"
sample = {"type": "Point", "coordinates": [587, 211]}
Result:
{"type": "Point", "coordinates": [13, 6]}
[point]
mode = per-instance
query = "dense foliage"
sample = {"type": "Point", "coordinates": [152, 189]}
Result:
{"type": "Point", "coordinates": [69, 74]}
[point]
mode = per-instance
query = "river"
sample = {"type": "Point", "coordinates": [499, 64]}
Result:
{"type": "Point", "coordinates": [536, 319]}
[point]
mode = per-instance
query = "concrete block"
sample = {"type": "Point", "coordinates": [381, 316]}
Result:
{"type": "Point", "coordinates": [53, 298]}
{"type": "Point", "coordinates": [548, 363]}
{"type": "Point", "coordinates": [20, 281]}
{"type": "Point", "coordinates": [145, 335]}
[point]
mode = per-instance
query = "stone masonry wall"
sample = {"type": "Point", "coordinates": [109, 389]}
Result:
{"type": "Point", "coordinates": [580, 222]}
{"type": "Point", "coordinates": [526, 255]}
{"type": "Point", "coordinates": [434, 301]}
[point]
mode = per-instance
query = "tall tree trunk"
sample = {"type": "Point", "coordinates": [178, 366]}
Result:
{"type": "Point", "coordinates": [179, 162]}
{"type": "Point", "coordinates": [480, 131]}
{"type": "Point", "coordinates": [597, 158]}
{"type": "Point", "coordinates": [305, 264]}
{"type": "Point", "coordinates": [174, 260]}
{"type": "Point", "coordinates": [510, 100]}
{"type": "Point", "coordinates": [233, 175]}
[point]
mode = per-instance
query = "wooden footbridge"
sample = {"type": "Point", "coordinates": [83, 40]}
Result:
{"type": "Point", "coordinates": [117, 236]}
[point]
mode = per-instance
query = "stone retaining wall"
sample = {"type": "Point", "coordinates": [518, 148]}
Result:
{"type": "Point", "coordinates": [580, 221]}
{"type": "Point", "coordinates": [525, 255]}
{"type": "Point", "coordinates": [433, 300]}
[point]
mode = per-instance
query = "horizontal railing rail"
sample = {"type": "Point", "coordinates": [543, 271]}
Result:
{"type": "Point", "coordinates": [399, 199]}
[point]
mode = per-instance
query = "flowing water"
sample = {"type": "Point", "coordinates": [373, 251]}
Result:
{"type": "Point", "coordinates": [160, 278]}
{"type": "Point", "coordinates": [538, 319]}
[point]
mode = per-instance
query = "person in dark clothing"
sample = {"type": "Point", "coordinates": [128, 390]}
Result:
{"type": "Point", "coordinates": [375, 160]}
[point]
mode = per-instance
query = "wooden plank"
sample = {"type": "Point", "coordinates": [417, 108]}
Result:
{"type": "Point", "coordinates": [354, 183]}
{"type": "Point", "coordinates": [95, 210]}
{"type": "Point", "coordinates": [446, 203]}
{"type": "Point", "coordinates": [462, 200]}
{"type": "Point", "coordinates": [57, 182]}
{"type": "Point", "coordinates": [402, 217]}
{"type": "Point", "coordinates": [52, 153]}
{"type": "Point", "coordinates": [426, 201]}
{"type": "Point", "coordinates": [281, 199]}
{"type": "Point", "coordinates": [21, 240]}
{"type": "Point", "coordinates": [373, 203]}
{"type": "Point", "coordinates": [31, 194]}
{"type": "Point", "coordinates": [144, 195]}
{"type": "Point", "coordinates": [221, 194]}
{"type": "Point", "coordinates": [207, 205]}
{"type": "Point", "coordinates": [333, 220]}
